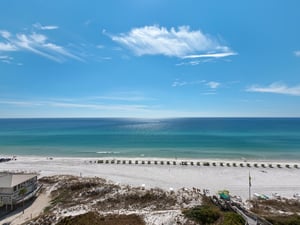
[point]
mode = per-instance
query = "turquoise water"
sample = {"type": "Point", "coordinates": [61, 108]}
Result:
{"type": "Point", "coordinates": [250, 138]}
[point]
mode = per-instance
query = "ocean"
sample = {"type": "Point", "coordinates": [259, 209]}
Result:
{"type": "Point", "coordinates": [209, 138]}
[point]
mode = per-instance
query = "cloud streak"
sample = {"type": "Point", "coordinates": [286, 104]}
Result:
{"type": "Point", "coordinates": [48, 27]}
{"type": "Point", "coordinates": [276, 88]}
{"type": "Point", "coordinates": [36, 43]}
{"type": "Point", "coordinates": [5, 34]}
{"type": "Point", "coordinates": [6, 59]}
{"type": "Point", "coordinates": [118, 102]}
{"type": "Point", "coordinates": [63, 104]}
{"type": "Point", "coordinates": [178, 83]}
{"type": "Point", "coordinates": [211, 55]}
{"type": "Point", "coordinates": [181, 43]}
{"type": "Point", "coordinates": [297, 53]}
{"type": "Point", "coordinates": [7, 47]}
{"type": "Point", "coordinates": [213, 85]}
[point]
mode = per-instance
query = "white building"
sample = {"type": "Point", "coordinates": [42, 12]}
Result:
{"type": "Point", "coordinates": [11, 185]}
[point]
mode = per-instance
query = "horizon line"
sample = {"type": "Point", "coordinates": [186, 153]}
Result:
{"type": "Point", "coordinates": [176, 117]}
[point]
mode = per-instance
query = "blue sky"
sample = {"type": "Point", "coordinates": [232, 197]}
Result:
{"type": "Point", "coordinates": [149, 58]}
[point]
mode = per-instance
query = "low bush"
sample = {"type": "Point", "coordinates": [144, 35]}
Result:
{"type": "Point", "coordinates": [284, 220]}
{"type": "Point", "coordinates": [231, 218]}
{"type": "Point", "coordinates": [203, 214]}
{"type": "Point", "coordinates": [92, 218]}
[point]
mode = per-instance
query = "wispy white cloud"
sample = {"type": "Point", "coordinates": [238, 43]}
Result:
{"type": "Point", "coordinates": [48, 27]}
{"type": "Point", "coordinates": [131, 96]}
{"type": "Point", "coordinates": [6, 59]}
{"type": "Point", "coordinates": [101, 58]}
{"type": "Point", "coordinates": [276, 88]}
{"type": "Point", "coordinates": [20, 103]}
{"type": "Point", "coordinates": [5, 34]}
{"type": "Point", "coordinates": [64, 104]}
{"type": "Point", "coordinates": [100, 46]}
{"type": "Point", "coordinates": [36, 43]}
{"type": "Point", "coordinates": [194, 62]}
{"type": "Point", "coordinates": [209, 93]}
{"type": "Point", "coordinates": [120, 101]}
{"type": "Point", "coordinates": [211, 55]}
{"type": "Point", "coordinates": [7, 47]}
{"type": "Point", "coordinates": [123, 98]}
{"type": "Point", "coordinates": [213, 84]}
{"type": "Point", "coordinates": [178, 83]}
{"type": "Point", "coordinates": [297, 53]}
{"type": "Point", "coordinates": [124, 107]}
{"type": "Point", "coordinates": [120, 97]}
{"type": "Point", "coordinates": [182, 42]}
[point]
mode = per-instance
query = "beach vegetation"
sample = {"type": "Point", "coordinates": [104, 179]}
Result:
{"type": "Point", "coordinates": [210, 214]}
{"type": "Point", "coordinates": [155, 199]}
{"type": "Point", "coordinates": [266, 207]}
{"type": "Point", "coordinates": [231, 218]}
{"type": "Point", "coordinates": [284, 220]}
{"type": "Point", "coordinates": [204, 214]}
{"type": "Point", "coordinates": [278, 211]}
{"type": "Point", "coordinates": [69, 191]}
{"type": "Point", "coordinates": [95, 219]}
{"type": "Point", "coordinates": [47, 209]}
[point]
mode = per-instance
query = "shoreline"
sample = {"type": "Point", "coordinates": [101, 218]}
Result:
{"type": "Point", "coordinates": [284, 181]}
{"type": "Point", "coordinates": [165, 159]}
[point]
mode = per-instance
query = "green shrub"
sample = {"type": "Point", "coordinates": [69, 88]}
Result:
{"type": "Point", "coordinates": [285, 220]}
{"type": "Point", "coordinates": [231, 218]}
{"type": "Point", "coordinates": [203, 214]}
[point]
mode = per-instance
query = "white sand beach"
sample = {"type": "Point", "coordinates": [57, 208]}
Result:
{"type": "Point", "coordinates": [284, 181]}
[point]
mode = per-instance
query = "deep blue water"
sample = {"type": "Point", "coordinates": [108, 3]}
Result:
{"type": "Point", "coordinates": [257, 138]}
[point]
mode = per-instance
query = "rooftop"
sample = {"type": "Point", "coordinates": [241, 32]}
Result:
{"type": "Point", "coordinates": [8, 180]}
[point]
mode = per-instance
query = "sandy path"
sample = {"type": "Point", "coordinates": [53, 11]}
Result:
{"type": "Point", "coordinates": [32, 211]}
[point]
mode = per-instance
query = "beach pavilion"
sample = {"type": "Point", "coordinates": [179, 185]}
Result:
{"type": "Point", "coordinates": [17, 187]}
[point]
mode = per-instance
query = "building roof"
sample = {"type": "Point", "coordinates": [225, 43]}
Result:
{"type": "Point", "coordinates": [8, 180]}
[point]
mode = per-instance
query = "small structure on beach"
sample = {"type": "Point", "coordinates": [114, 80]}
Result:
{"type": "Point", "coordinates": [17, 187]}
{"type": "Point", "coordinates": [224, 194]}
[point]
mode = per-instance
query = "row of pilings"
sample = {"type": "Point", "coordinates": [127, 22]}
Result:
{"type": "Point", "coordinates": [196, 163]}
